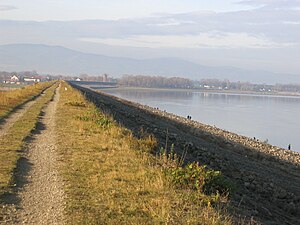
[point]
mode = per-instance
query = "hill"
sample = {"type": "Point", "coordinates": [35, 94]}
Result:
{"type": "Point", "coordinates": [61, 60]}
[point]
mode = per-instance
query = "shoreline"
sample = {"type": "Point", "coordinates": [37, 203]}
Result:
{"type": "Point", "coordinates": [153, 108]}
{"type": "Point", "coordinates": [278, 152]}
{"type": "Point", "coordinates": [231, 92]}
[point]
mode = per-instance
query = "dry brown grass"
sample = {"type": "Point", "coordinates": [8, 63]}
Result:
{"type": "Point", "coordinates": [11, 99]}
{"type": "Point", "coordinates": [12, 143]}
{"type": "Point", "coordinates": [111, 178]}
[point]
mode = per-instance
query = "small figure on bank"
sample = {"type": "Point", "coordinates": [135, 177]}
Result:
{"type": "Point", "coordinates": [254, 138]}
{"type": "Point", "coordinates": [289, 147]}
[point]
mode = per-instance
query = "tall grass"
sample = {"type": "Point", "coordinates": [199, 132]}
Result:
{"type": "Point", "coordinates": [111, 177]}
{"type": "Point", "coordinates": [13, 98]}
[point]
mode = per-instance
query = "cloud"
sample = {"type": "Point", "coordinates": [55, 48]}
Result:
{"type": "Point", "coordinates": [7, 7]}
{"type": "Point", "coordinates": [253, 28]}
{"type": "Point", "coordinates": [272, 4]}
{"type": "Point", "coordinates": [281, 26]}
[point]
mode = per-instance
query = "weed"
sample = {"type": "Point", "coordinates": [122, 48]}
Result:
{"type": "Point", "coordinates": [194, 176]}
{"type": "Point", "coordinates": [95, 117]}
{"type": "Point", "coordinates": [76, 104]}
{"type": "Point", "coordinates": [83, 118]}
{"type": "Point", "coordinates": [103, 122]}
{"type": "Point", "coordinates": [215, 182]}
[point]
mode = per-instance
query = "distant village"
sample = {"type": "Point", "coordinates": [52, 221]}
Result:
{"type": "Point", "coordinates": [21, 78]}
{"type": "Point", "coordinates": [29, 77]}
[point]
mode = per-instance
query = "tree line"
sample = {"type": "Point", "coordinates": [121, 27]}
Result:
{"type": "Point", "coordinates": [155, 81]}
{"type": "Point", "coordinates": [212, 84]}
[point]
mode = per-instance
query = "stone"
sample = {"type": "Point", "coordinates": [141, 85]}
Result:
{"type": "Point", "coordinates": [290, 207]}
{"type": "Point", "coordinates": [282, 194]}
{"type": "Point", "coordinates": [247, 184]}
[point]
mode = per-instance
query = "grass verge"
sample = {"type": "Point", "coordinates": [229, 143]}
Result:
{"type": "Point", "coordinates": [12, 143]}
{"type": "Point", "coordinates": [13, 98]}
{"type": "Point", "coordinates": [111, 178]}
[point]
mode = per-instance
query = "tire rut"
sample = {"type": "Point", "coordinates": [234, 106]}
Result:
{"type": "Point", "coordinates": [8, 122]}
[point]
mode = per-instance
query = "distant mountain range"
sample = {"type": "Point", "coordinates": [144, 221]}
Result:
{"type": "Point", "coordinates": [60, 60]}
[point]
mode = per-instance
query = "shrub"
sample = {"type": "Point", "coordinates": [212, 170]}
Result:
{"type": "Point", "coordinates": [103, 122]}
{"type": "Point", "coordinates": [194, 176]}
{"type": "Point", "coordinates": [216, 182]}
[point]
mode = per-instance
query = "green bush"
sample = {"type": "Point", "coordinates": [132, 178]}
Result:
{"type": "Point", "coordinates": [103, 122]}
{"type": "Point", "coordinates": [194, 176]}
{"type": "Point", "coordinates": [216, 182]}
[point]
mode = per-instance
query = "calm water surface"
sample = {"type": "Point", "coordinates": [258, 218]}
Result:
{"type": "Point", "coordinates": [272, 118]}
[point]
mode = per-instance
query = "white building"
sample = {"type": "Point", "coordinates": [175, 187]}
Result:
{"type": "Point", "coordinates": [14, 79]}
{"type": "Point", "coordinates": [32, 79]}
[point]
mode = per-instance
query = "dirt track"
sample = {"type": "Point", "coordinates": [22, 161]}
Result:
{"type": "Point", "coordinates": [39, 195]}
{"type": "Point", "coordinates": [268, 187]}
{"type": "Point", "coordinates": [42, 197]}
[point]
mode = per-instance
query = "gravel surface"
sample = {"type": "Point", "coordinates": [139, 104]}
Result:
{"type": "Point", "coordinates": [267, 179]}
{"type": "Point", "coordinates": [40, 195]}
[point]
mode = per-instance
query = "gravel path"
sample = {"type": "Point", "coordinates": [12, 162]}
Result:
{"type": "Point", "coordinates": [42, 196]}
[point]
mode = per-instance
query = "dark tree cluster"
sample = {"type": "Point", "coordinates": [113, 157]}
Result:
{"type": "Point", "coordinates": [155, 82]}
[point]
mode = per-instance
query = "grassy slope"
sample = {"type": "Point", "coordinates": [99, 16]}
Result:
{"type": "Point", "coordinates": [110, 177]}
{"type": "Point", "coordinates": [11, 99]}
{"type": "Point", "coordinates": [12, 143]}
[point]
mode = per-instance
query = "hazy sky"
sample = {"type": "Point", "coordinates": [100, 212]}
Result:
{"type": "Point", "coordinates": [39, 10]}
{"type": "Point", "coordinates": [253, 34]}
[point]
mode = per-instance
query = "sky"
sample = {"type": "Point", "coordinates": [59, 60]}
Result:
{"type": "Point", "coordinates": [252, 34]}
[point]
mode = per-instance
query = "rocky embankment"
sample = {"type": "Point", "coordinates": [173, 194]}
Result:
{"type": "Point", "coordinates": [265, 148]}
{"type": "Point", "coordinates": [267, 178]}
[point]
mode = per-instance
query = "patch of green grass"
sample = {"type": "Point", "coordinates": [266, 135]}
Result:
{"type": "Point", "coordinates": [96, 117]}
{"type": "Point", "coordinates": [12, 143]}
{"type": "Point", "coordinates": [76, 104]}
{"type": "Point", "coordinates": [111, 177]}
{"type": "Point", "coordinates": [196, 177]}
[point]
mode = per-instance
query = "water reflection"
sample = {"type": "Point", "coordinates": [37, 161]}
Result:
{"type": "Point", "coordinates": [152, 94]}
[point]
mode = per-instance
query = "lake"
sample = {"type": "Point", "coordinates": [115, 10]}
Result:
{"type": "Point", "coordinates": [269, 118]}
